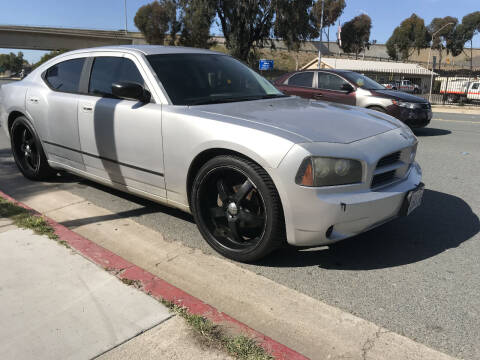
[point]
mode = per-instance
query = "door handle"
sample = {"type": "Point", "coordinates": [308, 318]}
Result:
{"type": "Point", "coordinates": [87, 107]}
{"type": "Point", "coordinates": [317, 96]}
{"type": "Point", "coordinates": [33, 100]}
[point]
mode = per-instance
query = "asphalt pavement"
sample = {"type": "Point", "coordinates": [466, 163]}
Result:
{"type": "Point", "coordinates": [417, 276]}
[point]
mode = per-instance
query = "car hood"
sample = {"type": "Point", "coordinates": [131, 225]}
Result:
{"type": "Point", "coordinates": [312, 121]}
{"type": "Point", "coordinates": [398, 95]}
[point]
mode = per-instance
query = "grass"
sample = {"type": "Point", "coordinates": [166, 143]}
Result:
{"type": "Point", "coordinates": [24, 218]}
{"type": "Point", "coordinates": [240, 347]}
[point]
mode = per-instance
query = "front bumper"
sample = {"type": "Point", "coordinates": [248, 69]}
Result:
{"type": "Point", "coordinates": [340, 216]}
{"type": "Point", "coordinates": [412, 117]}
{"type": "Point", "coordinates": [324, 215]}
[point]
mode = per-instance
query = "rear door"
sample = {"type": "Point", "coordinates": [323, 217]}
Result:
{"type": "Point", "coordinates": [53, 107]}
{"type": "Point", "coordinates": [300, 84]}
{"type": "Point", "coordinates": [331, 88]}
{"type": "Point", "coordinates": [121, 140]}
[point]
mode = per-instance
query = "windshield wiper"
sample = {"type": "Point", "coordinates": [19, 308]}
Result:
{"type": "Point", "coordinates": [235, 99]}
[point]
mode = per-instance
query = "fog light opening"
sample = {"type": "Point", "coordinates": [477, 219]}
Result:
{"type": "Point", "coordinates": [329, 231]}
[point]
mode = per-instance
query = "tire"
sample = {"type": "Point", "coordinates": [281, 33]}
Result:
{"type": "Point", "coordinates": [237, 208]}
{"type": "Point", "coordinates": [28, 152]}
{"type": "Point", "coordinates": [377, 108]}
{"type": "Point", "coordinates": [452, 98]}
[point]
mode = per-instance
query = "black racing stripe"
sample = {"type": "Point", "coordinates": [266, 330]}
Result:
{"type": "Point", "coordinates": [104, 158]}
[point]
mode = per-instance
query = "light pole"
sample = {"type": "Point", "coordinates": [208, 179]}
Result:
{"type": "Point", "coordinates": [321, 33]}
{"type": "Point", "coordinates": [125, 7]}
{"type": "Point", "coordinates": [428, 61]}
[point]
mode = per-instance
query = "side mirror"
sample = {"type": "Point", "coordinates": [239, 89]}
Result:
{"type": "Point", "coordinates": [131, 91]}
{"type": "Point", "coordinates": [347, 88]}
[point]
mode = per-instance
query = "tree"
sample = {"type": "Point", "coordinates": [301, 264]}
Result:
{"type": "Point", "coordinates": [332, 9]}
{"type": "Point", "coordinates": [409, 36]}
{"type": "Point", "coordinates": [156, 20]}
{"type": "Point", "coordinates": [356, 34]}
{"type": "Point", "coordinates": [246, 24]}
{"type": "Point", "coordinates": [12, 62]}
{"type": "Point", "coordinates": [294, 23]}
{"type": "Point", "coordinates": [470, 27]}
{"type": "Point", "coordinates": [48, 56]}
{"type": "Point", "coordinates": [443, 32]}
{"type": "Point", "coordinates": [196, 19]}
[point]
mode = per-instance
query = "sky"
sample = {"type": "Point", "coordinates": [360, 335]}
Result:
{"type": "Point", "coordinates": [109, 15]}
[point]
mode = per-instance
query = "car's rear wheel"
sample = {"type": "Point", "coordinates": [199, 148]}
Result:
{"type": "Point", "coordinates": [237, 208]}
{"type": "Point", "coordinates": [27, 151]}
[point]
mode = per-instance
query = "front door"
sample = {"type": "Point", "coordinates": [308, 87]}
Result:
{"type": "Point", "coordinates": [330, 87]}
{"type": "Point", "coordinates": [121, 140]}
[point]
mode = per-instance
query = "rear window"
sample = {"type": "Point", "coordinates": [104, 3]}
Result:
{"type": "Point", "coordinates": [65, 76]}
{"type": "Point", "coordinates": [304, 79]}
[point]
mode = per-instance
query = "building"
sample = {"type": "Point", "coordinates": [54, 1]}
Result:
{"type": "Point", "coordinates": [380, 71]}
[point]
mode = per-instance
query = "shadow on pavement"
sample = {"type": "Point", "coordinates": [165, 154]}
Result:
{"type": "Point", "coordinates": [114, 216]}
{"type": "Point", "coordinates": [148, 205]}
{"type": "Point", "coordinates": [442, 222]}
{"type": "Point", "coordinates": [424, 132]}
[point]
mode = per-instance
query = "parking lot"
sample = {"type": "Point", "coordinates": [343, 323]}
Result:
{"type": "Point", "coordinates": [417, 276]}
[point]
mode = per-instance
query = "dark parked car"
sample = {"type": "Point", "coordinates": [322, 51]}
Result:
{"type": "Point", "coordinates": [351, 88]}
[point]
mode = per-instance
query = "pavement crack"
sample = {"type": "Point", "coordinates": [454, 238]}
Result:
{"type": "Point", "coordinates": [370, 342]}
{"type": "Point", "coordinates": [65, 206]}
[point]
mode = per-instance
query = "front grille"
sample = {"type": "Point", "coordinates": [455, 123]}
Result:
{"type": "Point", "coordinates": [383, 178]}
{"type": "Point", "coordinates": [389, 159]}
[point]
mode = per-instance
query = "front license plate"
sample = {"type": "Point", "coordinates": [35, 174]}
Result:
{"type": "Point", "coordinates": [413, 199]}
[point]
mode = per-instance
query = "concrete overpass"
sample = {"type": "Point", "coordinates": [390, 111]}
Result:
{"type": "Point", "coordinates": [46, 38]}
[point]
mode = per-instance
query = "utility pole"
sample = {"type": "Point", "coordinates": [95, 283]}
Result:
{"type": "Point", "coordinates": [429, 54]}
{"type": "Point", "coordinates": [125, 7]}
{"type": "Point", "coordinates": [321, 37]}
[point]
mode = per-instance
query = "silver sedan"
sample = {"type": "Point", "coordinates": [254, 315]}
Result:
{"type": "Point", "coordinates": [199, 131]}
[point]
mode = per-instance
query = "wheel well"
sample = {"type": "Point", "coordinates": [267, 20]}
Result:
{"type": "Point", "coordinates": [11, 118]}
{"type": "Point", "coordinates": [202, 158]}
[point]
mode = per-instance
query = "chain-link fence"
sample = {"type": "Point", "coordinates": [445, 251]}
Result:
{"type": "Point", "coordinates": [459, 87]}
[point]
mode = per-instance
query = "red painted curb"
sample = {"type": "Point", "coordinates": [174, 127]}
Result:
{"type": "Point", "coordinates": [156, 287]}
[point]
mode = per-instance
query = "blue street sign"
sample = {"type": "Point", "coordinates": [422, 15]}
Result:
{"type": "Point", "coordinates": [265, 64]}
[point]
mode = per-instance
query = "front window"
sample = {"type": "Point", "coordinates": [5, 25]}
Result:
{"type": "Point", "coordinates": [327, 81]}
{"type": "Point", "coordinates": [107, 70]}
{"type": "Point", "coordinates": [363, 81]}
{"type": "Point", "coordinates": [195, 79]}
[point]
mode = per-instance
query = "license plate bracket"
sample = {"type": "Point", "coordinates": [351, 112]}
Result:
{"type": "Point", "coordinates": [413, 200]}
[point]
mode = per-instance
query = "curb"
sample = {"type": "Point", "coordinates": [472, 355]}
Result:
{"type": "Point", "coordinates": [157, 287]}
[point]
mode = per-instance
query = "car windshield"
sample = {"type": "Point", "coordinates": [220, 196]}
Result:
{"type": "Point", "coordinates": [363, 81]}
{"type": "Point", "coordinates": [196, 79]}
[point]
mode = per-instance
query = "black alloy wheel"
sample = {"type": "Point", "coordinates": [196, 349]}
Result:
{"type": "Point", "coordinates": [28, 152]}
{"type": "Point", "coordinates": [237, 208]}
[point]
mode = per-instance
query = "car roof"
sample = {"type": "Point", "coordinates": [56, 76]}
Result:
{"type": "Point", "coordinates": [147, 49]}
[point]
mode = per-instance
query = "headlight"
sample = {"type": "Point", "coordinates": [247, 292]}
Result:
{"type": "Point", "coordinates": [404, 104]}
{"type": "Point", "coordinates": [327, 171]}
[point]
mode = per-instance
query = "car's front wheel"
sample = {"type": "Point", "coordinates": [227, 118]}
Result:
{"type": "Point", "coordinates": [237, 208]}
{"type": "Point", "coordinates": [27, 151]}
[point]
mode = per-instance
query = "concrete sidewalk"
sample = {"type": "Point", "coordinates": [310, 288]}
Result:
{"type": "Point", "coordinates": [55, 304]}
{"type": "Point", "coordinates": [455, 109]}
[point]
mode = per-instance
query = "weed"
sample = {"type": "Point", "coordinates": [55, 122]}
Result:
{"type": "Point", "coordinates": [24, 218]}
{"type": "Point", "coordinates": [241, 347]}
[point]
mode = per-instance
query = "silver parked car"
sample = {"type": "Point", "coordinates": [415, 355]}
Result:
{"type": "Point", "coordinates": [199, 131]}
